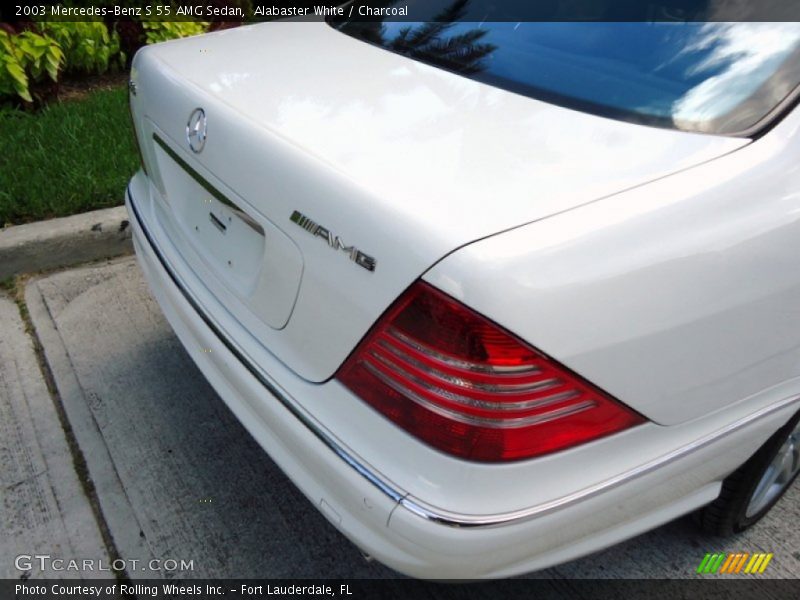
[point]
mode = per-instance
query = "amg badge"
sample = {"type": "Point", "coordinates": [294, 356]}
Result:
{"type": "Point", "coordinates": [356, 255]}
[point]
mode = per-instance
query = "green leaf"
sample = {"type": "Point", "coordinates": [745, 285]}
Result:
{"type": "Point", "coordinates": [52, 67]}
{"type": "Point", "coordinates": [36, 51]}
{"type": "Point", "coordinates": [17, 73]}
{"type": "Point", "coordinates": [22, 91]}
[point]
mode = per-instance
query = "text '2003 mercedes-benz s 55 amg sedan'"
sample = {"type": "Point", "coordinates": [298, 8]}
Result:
{"type": "Point", "coordinates": [493, 295]}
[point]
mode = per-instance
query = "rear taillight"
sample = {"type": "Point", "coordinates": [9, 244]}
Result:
{"type": "Point", "coordinates": [465, 386]}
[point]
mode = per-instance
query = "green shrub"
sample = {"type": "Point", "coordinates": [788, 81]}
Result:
{"type": "Point", "coordinates": [161, 31]}
{"type": "Point", "coordinates": [88, 46]}
{"type": "Point", "coordinates": [47, 48]}
{"type": "Point", "coordinates": [25, 59]}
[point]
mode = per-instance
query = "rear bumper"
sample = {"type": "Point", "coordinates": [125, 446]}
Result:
{"type": "Point", "coordinates": [389, 522]}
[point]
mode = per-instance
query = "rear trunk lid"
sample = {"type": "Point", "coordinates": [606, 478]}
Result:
{"type": "Point", "coordinates": [335, 173]}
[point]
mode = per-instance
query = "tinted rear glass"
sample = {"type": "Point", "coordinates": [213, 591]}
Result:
{"type": "Point", "coordinates": [711, 77]}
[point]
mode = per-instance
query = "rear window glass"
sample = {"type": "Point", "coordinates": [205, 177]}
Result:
{"type": "Point", "coordinates": [722, 78]}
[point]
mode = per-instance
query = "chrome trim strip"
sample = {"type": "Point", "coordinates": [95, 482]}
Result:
{"type": "Point", "coordinates": [452, 519]}
{"type": "Point", "coordinates": [419, 507]}
{"type": "Point", "coordinates": [219, 196]}
{"type": "Point", "coordinates": [258, 373]}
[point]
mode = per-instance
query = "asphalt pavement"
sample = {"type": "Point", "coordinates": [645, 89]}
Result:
{"type": "Point", "coordinates": [178, 478]}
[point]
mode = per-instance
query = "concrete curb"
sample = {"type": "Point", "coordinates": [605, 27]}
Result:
{"type": "Point", "coordinates": [64, 242]}
{"type": "Point", "coordinates": [113, 500]}
{"type": "Point", "coordinates": [44, 508]}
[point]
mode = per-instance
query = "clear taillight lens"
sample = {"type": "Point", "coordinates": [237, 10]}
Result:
{"type": "Point", "coordinates": [462, 384]}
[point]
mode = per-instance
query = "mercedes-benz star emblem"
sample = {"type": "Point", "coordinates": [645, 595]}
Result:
{"type": "Point", "coordinates": [196, 130]}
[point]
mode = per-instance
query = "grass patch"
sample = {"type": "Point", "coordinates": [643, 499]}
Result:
{"type": "Point", "coordinates": [71, 157]}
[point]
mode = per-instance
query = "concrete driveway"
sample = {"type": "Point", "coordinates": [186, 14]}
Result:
{"type": "Point", "coordinates": [177, 477]}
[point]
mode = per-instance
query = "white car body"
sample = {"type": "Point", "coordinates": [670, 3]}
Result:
{"type": "Point", "coordinates": [657, 264]}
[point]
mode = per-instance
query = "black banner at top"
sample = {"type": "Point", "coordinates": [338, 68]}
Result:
{"type": "Point", "coordinates": [406, 10]}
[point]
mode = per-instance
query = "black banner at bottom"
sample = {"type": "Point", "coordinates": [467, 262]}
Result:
{"type": "Point", "coordinates": [533, 589]}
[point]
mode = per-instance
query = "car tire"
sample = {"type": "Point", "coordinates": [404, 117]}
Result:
{"type": "Point", "coordinates": [754, 488]}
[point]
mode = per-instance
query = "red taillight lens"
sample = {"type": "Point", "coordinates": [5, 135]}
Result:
{"type": "Point", "coordinates": [465, 386]}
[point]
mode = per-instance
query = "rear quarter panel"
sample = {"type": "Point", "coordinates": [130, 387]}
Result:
{"type": "Point", "coordinates": [680, 297]}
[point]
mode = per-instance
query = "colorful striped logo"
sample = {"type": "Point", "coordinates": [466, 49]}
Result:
{"type": "Point", "coordinates": [734, 562]}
